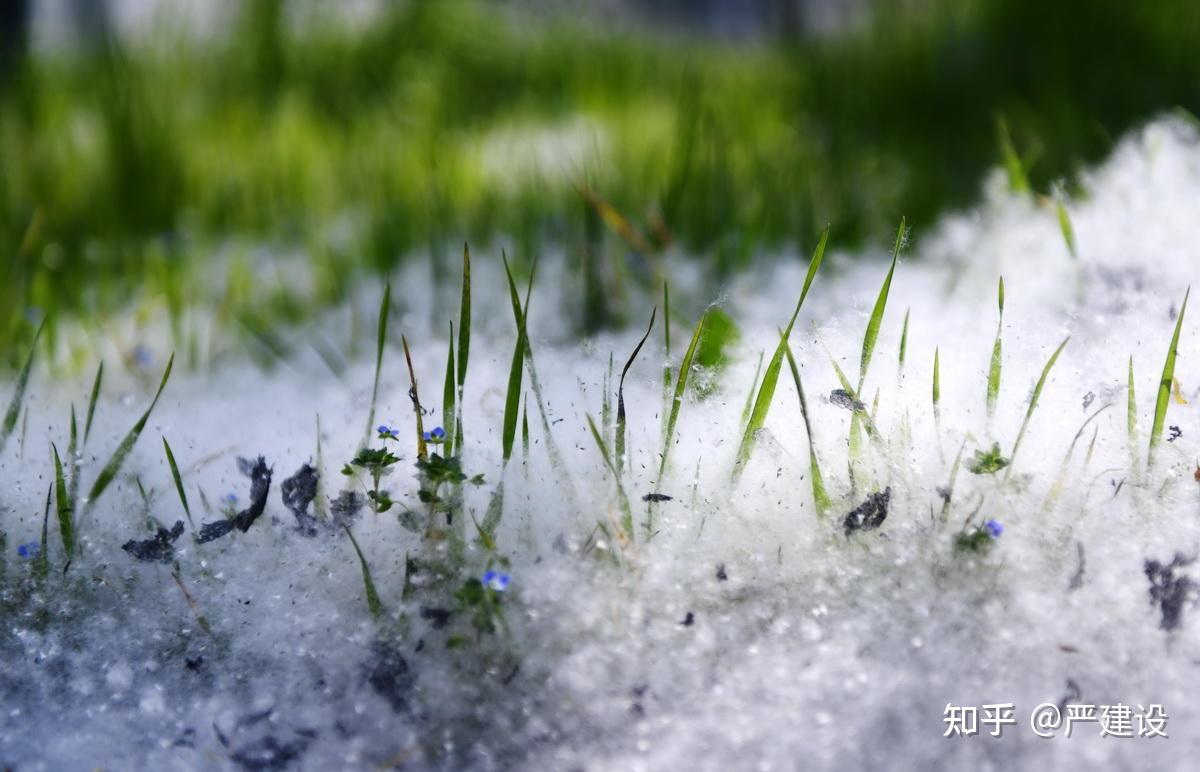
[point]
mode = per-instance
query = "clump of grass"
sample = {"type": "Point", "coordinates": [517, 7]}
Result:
{"type": "Point", "coordinates": [762, 403]}
{"type": "Point", "coordinates": [1164, 384]}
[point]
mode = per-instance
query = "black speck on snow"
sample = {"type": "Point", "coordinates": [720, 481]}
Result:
{"type": "Point", "coordinates": [657, 497]}
{"type": "Point", "coordinates": [260, 485]}
{"type": "Point", "coordinates": [1175, 433]}
{"type": "Point", "coordinates": [1170, 591]}
{"type": "Point", "coordinates": [688, 620]}
{"type": "Point", "coordinates": [159, 549]}
{"type": "Point", "coordinates": [389, 675]}
{"type": "Point", "coordinates": [842, 398]}
{"type": "Point", "coordinates": [870, 514]}
{"type": "Point", "coordinates": [721, 575]}
{"type": "Point", "coordinates": [437, 617]}
{"type": "Point", "coordinates": [298, 492]}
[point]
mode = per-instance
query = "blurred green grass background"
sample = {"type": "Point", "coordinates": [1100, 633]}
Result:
{"type": "Point", "coordinates": [125, 167]}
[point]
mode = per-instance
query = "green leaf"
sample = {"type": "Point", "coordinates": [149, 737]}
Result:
{"type": "Point", "coordinates": [685, 369]}
{"type": "Point", "coordinates": [513, 394]}
{"type": "Point", "coordinates": [1164, 385]}
{"type": "Point", "coordinates": [1018, 182]}
{"type": "Point", "coordinates": [993, 379]}
{"type": "Point", "coordinates": [66, 512]}
{"type": "Point", "coordinates": [380, 340]}
{"type": "Point", "coordinates": [91, 411]}
{"type": "Point", "coordinates": [766, 391]}
{"type": "Point", "coordinates": [873, 324]}
{"type": "Point", "coordinates": [14, 405]}
{"type": "Point", "coordinates": [1064, 224]}
{"type": "Point", "coordinates": [373, 603]}
{"type": "Point", "coordinates": [1033, 401]}
{"type": "Point", "coordinates": [187, 510]}
{"type": "Point", "coordinates": [989, 461]}
{"type": "Point", "coordinates": [904, 340]}
{"type": "Point", "coordinates": [110, 470]}
{"type": "Point", "coordinates": [820, 497]}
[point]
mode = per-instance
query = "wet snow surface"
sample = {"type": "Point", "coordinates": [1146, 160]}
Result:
{"type": "Point", "coordinates": [748, 633]}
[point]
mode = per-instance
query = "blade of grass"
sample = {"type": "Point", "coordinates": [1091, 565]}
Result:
{"type": "Point", "coordinates": [1131, 421]}
{"type": "Point", "coordinates": [766, 391]}
{"type": "Point", "coordinates": [1164, 385]}
{"type": "Point", "coordinates": [73, 460]}
{"type": "Point", "coordinates": [14, 405]}
{"type": "Point", "coordinates": [1064, 224]}
{"type": "Point", "coordinates": [903, 341]}
{"type": "Point", "coordinates": [993, 379]}
{"type": "Point", "coordinates": [110, 470]}
{"type": "Point", "coordinates": [1018, 182]}
{"type": "Point", "coordinates": [91, 411]}
{"type": "Point", "coordinates": [1033, 401]}
{"type": "Point", "coordinates": [66, 512]}
{"type": "Point", "coordinates": [685, 367]}
{"type": "Point", "coordinates": [373, 603]}
{"type": "Point", "coordinates": [820, 497]}
{"type": "Point", "coordinates": [876, 320]}
{"type": "Point", "coordinates": [415, 396]}
{"type": "Point", "coordinates": [626, 510]}
{"type": "Point", "coordinates": [448, 389]}
{"type": "Point", "coordinates": [513, 393]}
{"type": "Point", "coordinates": [464, 344]}
{"type": "Point", "coordinates": [380, 340]}
{"type": "Point", "coordinates": [753, 387]}
{"type": "Point", "coordinates": [41, 564]}
{"type": "Point", "coordinates": [187, 510]}
{"type": "Point", "coordinates": [620, 443]}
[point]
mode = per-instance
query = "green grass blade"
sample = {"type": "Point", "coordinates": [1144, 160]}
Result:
{"type": "Point", "coordinates": [1033, 401]}
{"type": "Point", "coordinates": [91, 411]}
{"type": "Point", "coordinates": [685, 368]}
{"type": "Point", "coordinates": [1131, 422]}
{"type": "Point", "coordinates": [904, 340]}
{"type": "Point", "coordinates": [14, 405]}
{"type": "Point", "coordinates": [380, 340]}
{"type": "Point", "coordinates": [620, 442]}
{"type": "Point", "coordinates": [373, 602]}
{"type": "Point", "coordinates": [1018, 182]}
{"type": "Point", "coordinates": [464, 345]}
{"type": "Point", "coordinates": [626, 510]}
{"type": "Point", "coordinates": [41, 564]}
{"type": "Point", "coordinates": [820, 497]}
{"type": "Point", "coordinates": [766, 391]}
{"type": "Point", "coordinates": [73, 460]}
{"type": "Point", "coordinates": [1064, 224]}
{"type": "Point", "coordinates": [937, 381]}
{"type": "Point", "coordinates": [110, 470]}
{"type": "Point", "coordinates": [66, 512]}
{"type": "Point", "coordinates": [448, 389]}
{"type": "Point", "coordinates": [1164, 385]}
{"type": "Point", "coordinates": [513, 393]}
{"type": "Point", "coordinates": [187, 510]}
{"type": "Point", "coordinates": [993, 379]}
{"type": "Point", "coordinates": [753, 387]}
{"type": "Point", "coordinates": [876, 320]}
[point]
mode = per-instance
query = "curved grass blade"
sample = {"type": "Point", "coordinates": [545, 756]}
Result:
{"type": "Point", "coordinates": [187, 510]}
{"type": "Point", "coordinates": [1164, 385]}
{"type": "Point", "coordinates": [753, 387]}
{"type": "Point", "coordinates": [766, 391]}
{"type": "Point", "coordinates": [904, 340]}
{"type": "Point", "coordinates": [66, 512]}
{"type": "Point", "coordinates": [373, 603]}
{"type": "Point", "coordinates": [820, 497]}
{"type": "Point", "coordinates": [872, 333]}
{"type": "Point", "coordinates": [620, 443]}
{"type": "Point", "coordinates": [685, 367]}
{"type": "Point", "coordinates": [14, 405]}
{"type": "Point", "coordinates": [448, 391]}
{"type": "Point", "coordinates": [110, 470]}
{"type": "Point", "coordinates": [993, 380]}
{"type": "Point", "coordinates": [91, 411]}
{"type": "Point", "coordinates": [1033, 401]}
{"type": "Point", "coordinates": [380, 340]}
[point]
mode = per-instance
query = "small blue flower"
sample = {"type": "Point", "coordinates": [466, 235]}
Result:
{"type": "Point", "coordinates": [229, 499]}
{"type": "Point", "coordinates": [993, 528]}
{"type": "Point", "coordinates": [494, 580]}
{"type": "Point", "coordinates": [29, 550]}
{"type": "Point", "coordinates": [437, 435]}
{"type": "Point", "coordinates": [387, 433]}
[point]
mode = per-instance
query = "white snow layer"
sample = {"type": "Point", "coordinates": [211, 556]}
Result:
{"type": "Point", "coordinates": [809, 650]}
